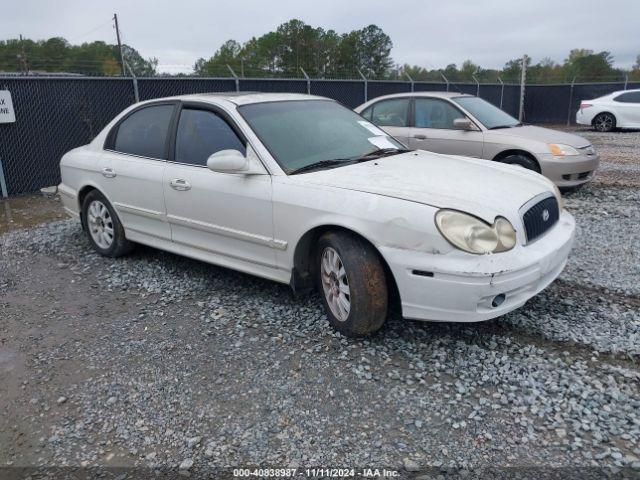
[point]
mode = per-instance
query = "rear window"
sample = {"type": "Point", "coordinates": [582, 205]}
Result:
{"type": "Point", "coordinates": [144, 132]}
{"type": "Point", "coordinates": [629, 97]}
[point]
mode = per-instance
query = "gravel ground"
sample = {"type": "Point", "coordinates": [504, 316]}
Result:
{"type": "Point", "coordinates": [171, 365]}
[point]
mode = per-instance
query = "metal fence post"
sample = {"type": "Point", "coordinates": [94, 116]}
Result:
{"type": "Point", "coordinates": [626, 80]}
{"type": "Point", "coordinates": [523, 81]}
{"type": "Point", "coordinates": [308, 81]}
{"type": "Point", "coordinates": [570, 101]}
{"type": "Point", "coordinates": [411, 80]}
{"type": "Point", "coordinates": [446, 80]}
{"type": "Point", "coordinates": [501, 91]}
{"type": "Point", "coordinates": [366, 86]}
{"type": "Point", "coordinates": [477, 85]}
{"type": "Point", "coordinates": [3, 182]}
{"type": "Point", "coordinates": [235, 77]}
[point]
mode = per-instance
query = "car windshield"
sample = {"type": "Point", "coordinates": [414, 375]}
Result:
{"type": "Point", "coordinates": [300, 134]}
{"type": "Point", "coordinates": [489, 115]}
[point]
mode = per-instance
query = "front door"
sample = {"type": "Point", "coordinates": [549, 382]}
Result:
{"type": "Point", "coordinates": [224, 214]}
{"type": "Point", "coordinates": [433, 129]}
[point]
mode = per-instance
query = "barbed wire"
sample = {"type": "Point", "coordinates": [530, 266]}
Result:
{"type": "Point", "coordinates": [96, 67]}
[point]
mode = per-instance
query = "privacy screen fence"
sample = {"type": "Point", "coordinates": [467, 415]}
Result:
{"type": "Point", "coordinates": [56, 114]}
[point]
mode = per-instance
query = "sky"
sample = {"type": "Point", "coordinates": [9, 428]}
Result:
{"type": "Point", "coordinates": [428, 33]}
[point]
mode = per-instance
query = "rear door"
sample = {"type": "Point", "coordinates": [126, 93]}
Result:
{"type": "Point", "coordinates": [433, 129]}
{"type": "Point", "coordinates": [133, 166]}
{"type": "Point", "coordinates": [628, 109]}
{"type": "Point", "coordinates": [392, 115]}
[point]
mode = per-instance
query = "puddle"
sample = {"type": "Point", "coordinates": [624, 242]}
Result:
{"type": "Point", "coordinates": [29, 210]}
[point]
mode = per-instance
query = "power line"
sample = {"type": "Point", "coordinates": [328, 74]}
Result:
{"type": "Point", "coordinates": [90, 31]}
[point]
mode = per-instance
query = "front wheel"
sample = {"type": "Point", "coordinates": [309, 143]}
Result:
{"type": "Point", "coordinates": [604, 122]}
{"type": "Point", "coordinates": [522, 161]}
{"type": "Point", "coordinates": [352, 283]}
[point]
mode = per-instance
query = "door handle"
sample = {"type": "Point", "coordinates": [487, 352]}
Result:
{"type": "Point", "coordinates": [108, 172]}
{"type": "Point", "coordinates": [180, 184]}
{"type": "Point", "coordinates": [419, 136]}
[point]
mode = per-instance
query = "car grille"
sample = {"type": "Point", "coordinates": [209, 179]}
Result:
{"type": "Point", "coordinates": [540, 218]}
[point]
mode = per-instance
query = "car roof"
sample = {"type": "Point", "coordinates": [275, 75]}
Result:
{"type": "Point", "coordinates": [617, 92]}
{"type": "Point", "coordinates": [426, 94]}
{"type": "Point", "coordinates": [245, 98]}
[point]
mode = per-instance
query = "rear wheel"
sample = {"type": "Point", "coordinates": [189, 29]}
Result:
{"type": "Point", "coordinates": [103, 226]}
{"type": "Point", "coordinates": [522, 161]}
{"type": "Point", "coordinates": [604, 122]}
{"type": "Point", "coordinates": [352, 283]}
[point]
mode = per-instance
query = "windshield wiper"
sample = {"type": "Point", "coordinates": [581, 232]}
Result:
{"type": "Point", "coordinates": [319, 165]}
{"type": "Point", "coordinates": [379, 153]}
{"type": "Point", "coordinates": [519, 124]}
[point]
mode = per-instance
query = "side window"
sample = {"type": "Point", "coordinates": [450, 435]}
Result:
{"type": "Point", "coordinates": [144, 132]}
{"type": "Point", "coordinates": [366, 113]}
{"type": "Point", "coordinates": [390, 113]}
{"type": "Point", "coordinates": [629, 97]}
{"type": "Point", "coordinates": [202, 133]}
{"type": "Point", "coordinates": [435, 113]}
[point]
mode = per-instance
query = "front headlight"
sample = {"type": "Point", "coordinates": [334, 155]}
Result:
{"type": "Point", "coordinates": [473, 235]}
{"type": "Point", "coordinates": [559, 150]}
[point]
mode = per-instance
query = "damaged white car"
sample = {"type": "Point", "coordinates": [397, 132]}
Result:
{"type": "Point", "coordinates": [301, 190]}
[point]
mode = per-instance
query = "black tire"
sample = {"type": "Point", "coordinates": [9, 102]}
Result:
{"type": "Point", "coordinates": [572, 189]}
{"type": "Point", "coordinates": [366, 281]}
{"type": "Point", "coordinates": [604, 122]}
{"type": "Point", "coordinates": [522, 160]}
{"type": "Point", "coordinates": [119, 245]}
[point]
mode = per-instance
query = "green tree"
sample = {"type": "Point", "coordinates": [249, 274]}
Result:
{"type": "Point", "coordinates": [57, 55]}
{"type": "Point", "coordinates": [585, 65]}
{"type": "Point", "coordinates": [635, 70]}
{"type": "Point", "coordinates": [227, 54]}
{"type": "Point", "coordinates": [373, 49]}
{"type": "Point", "coordinates": [295, 45]}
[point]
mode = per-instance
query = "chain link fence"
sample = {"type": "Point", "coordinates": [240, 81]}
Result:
{"type": "Point", "coordinates": [56, 114]}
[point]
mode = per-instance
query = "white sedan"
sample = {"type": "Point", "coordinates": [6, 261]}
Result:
{"type": "Point", "coordinates": [619, 109]}
{"type": "Point", "coordinates": [301, 190]}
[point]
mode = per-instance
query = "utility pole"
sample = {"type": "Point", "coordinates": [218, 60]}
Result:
{"type": "Point", "coordinates": [23, 58]}
{"type": "Point", "coordinates": [115, 19]}
{"type": "Point", "coordinates": [523, 80]}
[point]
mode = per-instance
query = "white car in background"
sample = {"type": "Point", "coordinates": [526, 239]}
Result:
{"type": "Point", "coordinates": [301, 190]}
{"type": "Point", "coordinates": [617, 110]}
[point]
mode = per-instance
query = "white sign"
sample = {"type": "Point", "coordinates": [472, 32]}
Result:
{"type": "Point", "coordinates": [7, 114]}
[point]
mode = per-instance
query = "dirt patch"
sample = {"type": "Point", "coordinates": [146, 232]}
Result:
{"type": "Point", "coordinates": [29, 210]}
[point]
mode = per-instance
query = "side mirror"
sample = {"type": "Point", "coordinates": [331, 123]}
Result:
{"type": "Point", "coordinates": [463, 124]}
{"type": "Point", "coordinates": [228, 161]}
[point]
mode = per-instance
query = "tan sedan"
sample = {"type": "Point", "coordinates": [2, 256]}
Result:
{"type": "Point", "coordinates": [460, 124]}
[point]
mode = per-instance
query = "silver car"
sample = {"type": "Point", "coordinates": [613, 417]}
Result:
{"type": "Point", "coordinates": [460, 124]}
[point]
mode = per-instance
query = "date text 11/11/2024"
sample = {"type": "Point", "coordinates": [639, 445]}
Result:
{"type": "Point", "coordinates": [315, 472]}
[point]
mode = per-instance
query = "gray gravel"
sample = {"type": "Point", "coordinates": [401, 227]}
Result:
{"type": "Point", "coordinates": [172, 364]}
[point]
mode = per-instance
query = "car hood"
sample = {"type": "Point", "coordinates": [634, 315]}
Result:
{"type": "Point", "coordinates": [481, 187]}
{"type": "Point", "coordinates": [544, 135]}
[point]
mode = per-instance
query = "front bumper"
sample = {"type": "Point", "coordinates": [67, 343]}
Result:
{"type": "Point", "coordinates": [568, 171]}
{"type": "Point", "coordinates": [463, 286]}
